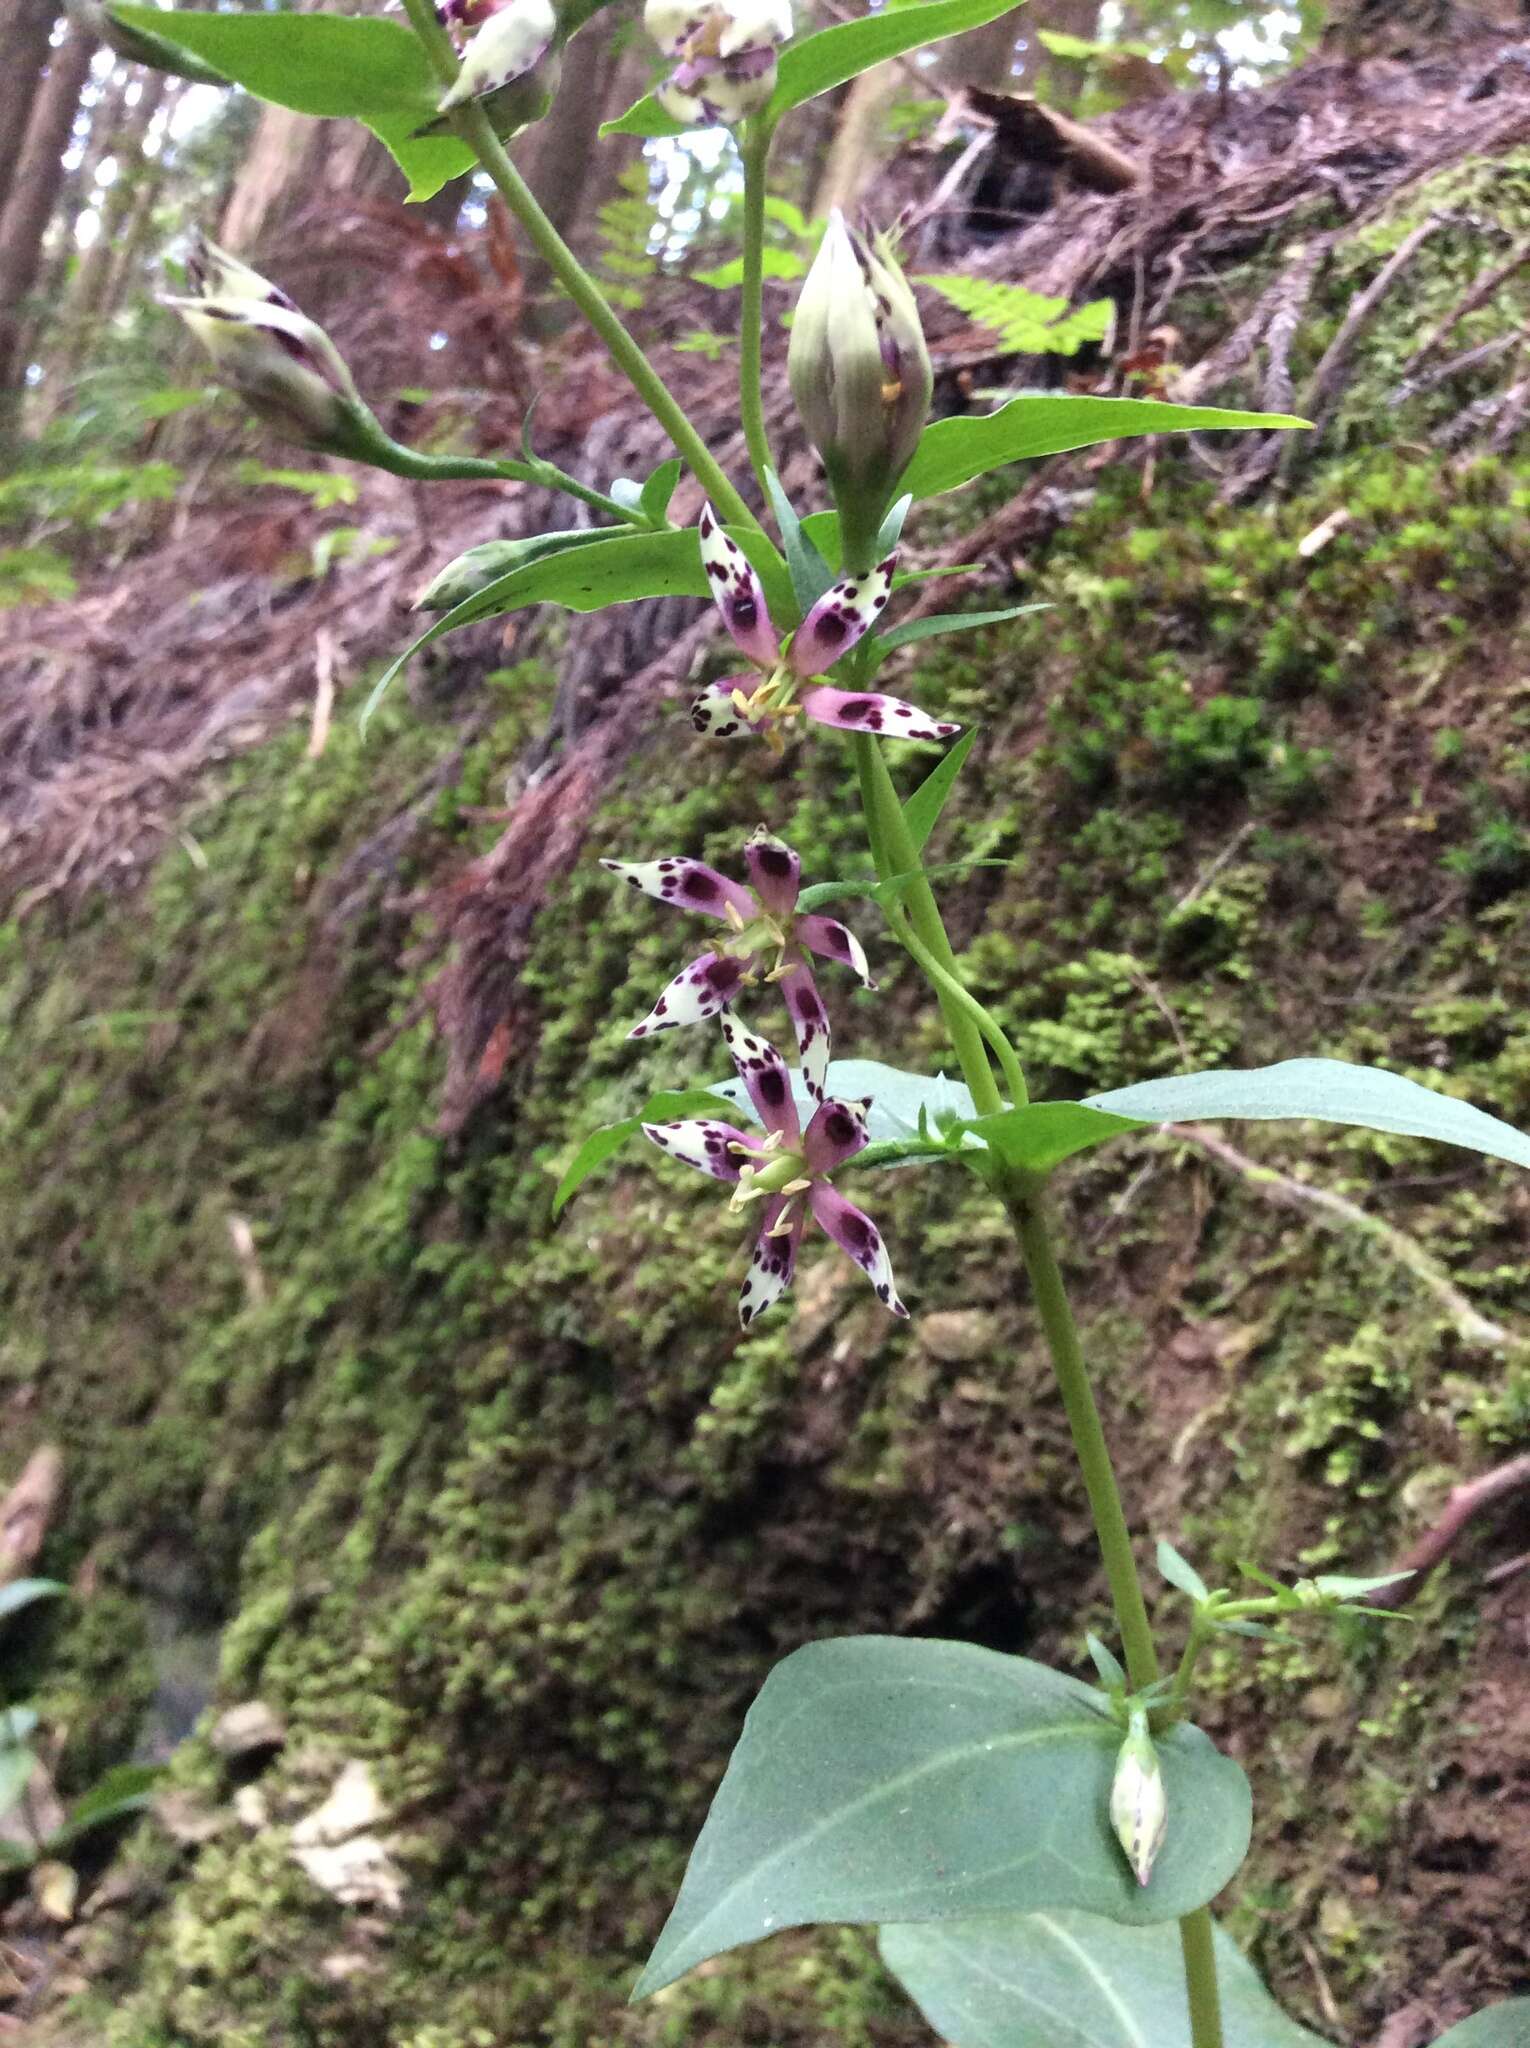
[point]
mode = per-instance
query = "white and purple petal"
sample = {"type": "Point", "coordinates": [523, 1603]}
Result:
{"type": "Point", "coordinates": [766, 1076]}
{"type": "Point", "coordinates": [775, 1257]}
{"type": "Point", "coordinates": [775, 872]}
{"type": "Point", "coordinates": [835, 1133]}
{"type": "Point", "coordinates": [715, 712]}
{"type": "Point", "coordinates": [706, 1144]}
{"type": "Point", "coordinates": [697, 992]}
{"type": "Point", "coordinates": [870, 711]}
{"type": "Point", "coordinates": [846, 610]}
{"type": "Point", "coordinates": [737, 591]}
{"type": "Point", "coordinates": [810, 1022]}
{"type": "Point", "coordinates": [858, 1237]}
{"type": "Point", "coordinates": [688, 884]}
{"type": "Point", "coordinates": [834, 941]}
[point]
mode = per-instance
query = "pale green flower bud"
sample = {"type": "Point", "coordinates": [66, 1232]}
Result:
{"type": "Point", "coordinates": [281, 363]}
{"type": "Point", "coordinates": [859, 369]}
{"type": "Point", "coordinates": [1139, 1811]}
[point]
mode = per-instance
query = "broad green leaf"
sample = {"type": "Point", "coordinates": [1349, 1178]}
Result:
{"type": "Point", "coordinates": [139, 46]}
{"type": "Point", "coordinates": [357, 67]}
{"type": "Point", "coordinates": [818, 63]}
{"type": "Point", "coordinates": [615, 569]}
{"type": "Point", "coordinates": [945, 622]}
{"type": "Point", "coordinates": [929, 799]}
{"type": "Point", "coordinates": [952, 452]}
{"type": "Point", "coordinates": [904, 1106]}
{"type": "Point", "coordinates": [22, 1592]}
{"type": "Point", "coordinates": [1501, 2026]}
{"type": "Point", "coordinates": [1071, 1980]}
{"type": "Point", "coordinates": [1181, 1573]}
{"type": "Point", "coordinates": [599, 1145]}
{"type": "Point", "coordinates": [1332, 1091]}
{"type": "Point", "coordinates": [1040, 1135]}
{"type": "Point", "coordinates": [122, 1790]}
{"type": "Point", "coordinates": [879, 1778]}
{"type": "Point", "coordinates": [471, 573]}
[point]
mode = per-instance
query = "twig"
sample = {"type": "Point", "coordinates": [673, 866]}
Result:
{"type": "Point", "coordinates": [1209, 874]}
{"type": "Point", "coordinates": [324, 691]}
{"type": "Point", "coordinates": [1477, 297]}
{"type": "Point", "coordinates": [1321, 385]}
{"type": "Point", "coordinates": [1471, 1325]}
{"type": "Point", "coordinates": [1462, 1504]}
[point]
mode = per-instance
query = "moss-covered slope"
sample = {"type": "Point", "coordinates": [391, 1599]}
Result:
{"type": "Point", "coordinates": [515, 1515]}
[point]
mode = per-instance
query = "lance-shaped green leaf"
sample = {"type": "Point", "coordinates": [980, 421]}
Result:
{"type": "Point", "coordinates": [17, 1764]}
{"type": "Point", "coordinates": [601, 1144]}
{"type": "Point", "coordinates": [816, 64]}
{"type": "Point", "coordinates": [929, 799]}
{"type": "Point", "coordinates": [618, 569]}
{"type": "Point", "coordinates": [124, 1789]}
{"type": "Point", "coordinates": [355, 67]}
{"type": "Point", "coordinates": [1070, 1980]}
{"type": "Point", "coordinates": [881, 1779]}
{"type": "Point", "coordinates": [954, 451]}
{"type": "Point", "coordinates": [1331, 1091]}
{"type": "Point", "coordinates": [1501, 2026]}
{"type": "Point", "coordinates": [1040, 1135]}
{"type": "Point", "coordinates": [944, 622]}
{"type": "Point", "coordinates": [1181, 1573]}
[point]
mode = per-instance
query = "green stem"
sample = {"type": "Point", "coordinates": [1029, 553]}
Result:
{"type": "Point", "coordinates": [948, 984]}
{"type": "Point", "coordinates": [1062, 1337]}
{"type": "Point", "coordinates": [583, 292]}
{"type": "Point", "coordinates": [893, 849]}
{"type": "Point", "coordinates": [1200, 1960]}
{"type": "Point", "coordinates": [398, 460]}
{"type": "Point", "coordinates": [758, 134]}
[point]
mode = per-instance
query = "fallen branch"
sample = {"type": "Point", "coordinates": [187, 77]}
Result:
{"type": "Point", "coordinates": [1470, 1324]}
{"type": "Point", "coordinates": [1462, 1505]}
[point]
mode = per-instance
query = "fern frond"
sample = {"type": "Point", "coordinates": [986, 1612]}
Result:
{"type": "Point", "coordinates": [1026, 322]}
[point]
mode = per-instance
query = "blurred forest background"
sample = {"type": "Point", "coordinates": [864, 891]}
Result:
{"type": "Point", "coordinates": [432, 1554]}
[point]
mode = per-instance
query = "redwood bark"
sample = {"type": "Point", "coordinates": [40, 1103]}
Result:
{"type": "Point", "coordinates": [25, 29]}
{"type": "Point", "coordinates": [34, 192]}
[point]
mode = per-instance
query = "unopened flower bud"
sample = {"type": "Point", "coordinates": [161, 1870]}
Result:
{"type": "Point", "coordinates": [1139, 1811]}
{"type": "Point", "coordinates": [281, 363]}
{"type": "Point", "coordinates": [511, 69]}
{"type": "Point", "coordinates": [725, 55]}
{"type": "Point", "coordinates": [858, 367]}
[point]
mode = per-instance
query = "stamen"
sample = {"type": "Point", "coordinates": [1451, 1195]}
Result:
{"type": "Point", "coordinates": [796, 1187]}
{"type": "Point", "coordinates": [731, 910]}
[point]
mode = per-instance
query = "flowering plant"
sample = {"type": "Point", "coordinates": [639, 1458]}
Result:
{"type": "Point", "coordinates": [970, 1804]}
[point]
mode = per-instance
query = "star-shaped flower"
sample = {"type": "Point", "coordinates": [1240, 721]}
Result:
{"type": "Point", "coordinates": [768, 700]}
{"type": "Point", "coordinates": [787, 1171]}
{"type": "Point", "coordinates": [766, 941]}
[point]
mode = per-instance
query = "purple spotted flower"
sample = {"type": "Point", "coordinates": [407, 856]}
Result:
{"type": "Point", "coordinates": [766, 940]}
{"type": "Point", "coordinates": [787, 1171]}
{"type": "Point", "coordinates": [768, 700]}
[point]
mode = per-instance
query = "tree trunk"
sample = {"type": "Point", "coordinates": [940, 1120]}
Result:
{"type": "Point", "coordinates": [39, 175]}
{"type": "Point", "coordinates": [853, 150]}
{"type": "Point", "coordinates": [89, 299]}
{"type": "Point", "coordinates": [25, 29]}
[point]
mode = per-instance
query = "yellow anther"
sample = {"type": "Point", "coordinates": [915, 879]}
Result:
{"type": "Point", "coordinates": [796, 1187]}
{"type": "Point", "coordinates": [734, 916]}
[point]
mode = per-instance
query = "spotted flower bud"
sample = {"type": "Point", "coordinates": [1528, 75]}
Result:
{"type": "Point", "coordinates": [724, 52]}
{"type": "Point", "coordinates": [281, 363]}
{"type": "Point", "coordinates": [1139, 1811]}
{"type": "Point", "coordinates": [511, 69]}
{"type": "Point", "coordinates": [858, 367]}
